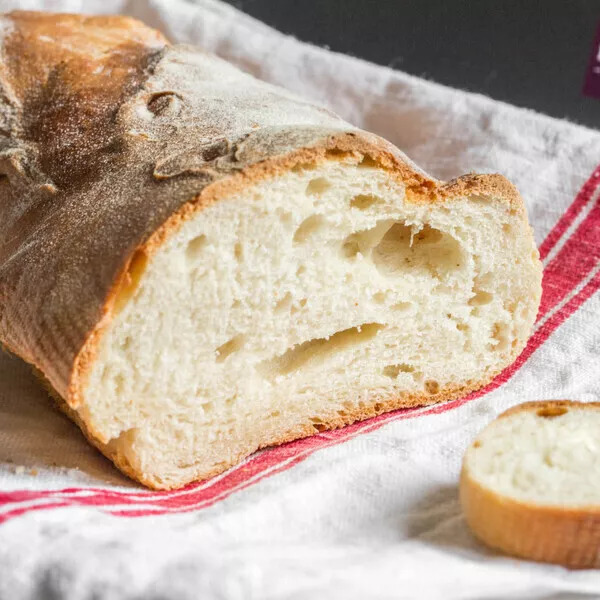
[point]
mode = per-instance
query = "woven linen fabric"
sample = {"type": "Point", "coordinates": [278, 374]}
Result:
{"type": "Point", "coordinates": [368, 511]}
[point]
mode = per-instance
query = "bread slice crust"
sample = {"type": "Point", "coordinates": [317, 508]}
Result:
{"type": "Point", "coordinates": [568, 536]}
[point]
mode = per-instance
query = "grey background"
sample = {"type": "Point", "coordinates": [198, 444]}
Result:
{"type": "Point", "coordinates": [531, 53]}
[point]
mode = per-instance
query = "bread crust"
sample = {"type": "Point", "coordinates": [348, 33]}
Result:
{"type": "Point", "coordinates": [105, 144]}
{"type": "Point", "coordinates": [545, 533]}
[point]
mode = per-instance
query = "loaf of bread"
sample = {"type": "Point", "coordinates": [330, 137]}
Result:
{"type": "Point", "coordinates": [200, 264]}
{"type": "Point", "coordinates": [530, 484]}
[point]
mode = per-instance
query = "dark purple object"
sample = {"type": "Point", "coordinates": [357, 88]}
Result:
{"type": "Point", "coordinates": [591, 87]}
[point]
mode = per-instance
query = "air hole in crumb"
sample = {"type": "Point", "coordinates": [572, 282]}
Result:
{"type": "Point", "coordinates": [318, 186]}
{"type": "Point", "coordinates": [350, 248]}
{"type": "Point", "coordinates": [119, 384]}
{"type": "Point", "coordinates": [500, 333]}
{"type": "Point", "coordinates": [364, 201]}
{"type": "Point", "coordinates": [285, 217]}
{"type": "Point", "coordinates": [236, 304]}
{"type": "Point", "coordinates": [507, 228]}
{"type": "Point", "coordinates": [300, 270]}
{"type": "Point", "coordinates": [481, 298]}
{"type": "Point", "coordinates": [230, 401]}
{"type": "Point", "coordinates": [426, 251]}
{"type": "Point", "coordinates": [284, 303]}
{"type": "Point", "coordinates": [195, 246]}
{"type": "Point", "coordinates": [317, 351]}
{"type": "Point", "coordinates": [379, 297]}
{"type": "Point", "coordinates": [298, 306]}
{"type": "Point", "coordinates": [275, 414]}
{"type": "Point", "coordinates": [367, 163]}
{"type": "Point", "coordinates": [432, 387]}
{"type": "Point", "coordinates": [476, 444]}
{"type": "Point", "coordinates": [364, 241]}
{"type": "Point", "coordinates": [549, 412]}
{"type": "Point", "coordinates": [378, 407]}
{"type": "Point", "coordinates": [393, 371]}
{"type": "Point", "coordinates": [318, 424]}
{"type": "Point", "coordinates": [228, 348]}
{"type": "Point", "coordinates": [208, 407]}
{"type": "Point", "coordinates": [238, 252]}
{"type": "Point", "coordinates": [401, 306]}
{"type": "Point", "coordinates": [308, 227]}
{"type": "Point", "coordinates": [462, 327]}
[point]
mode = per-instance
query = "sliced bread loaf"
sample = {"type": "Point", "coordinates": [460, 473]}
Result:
{"type": "Point", "coordinates": [201, 264]}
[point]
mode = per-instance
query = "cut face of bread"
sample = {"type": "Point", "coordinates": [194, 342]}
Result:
{"type": "Point", "coordinates": [535, 456]}
{"type": "Point", "coordinates": [307, 301]}
{"type": "Point", "coordinates": [530, 483]}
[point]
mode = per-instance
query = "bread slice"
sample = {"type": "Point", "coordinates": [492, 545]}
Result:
{"type": "Point", "coordinates": [202, 265]}
{"type": "Point", "coordinates": [530, 484]}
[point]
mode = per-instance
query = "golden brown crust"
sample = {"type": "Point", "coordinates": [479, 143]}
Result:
{"type": "Point", "coordinates": [561, 535]}
{"type": "Point", "coordinates": [110, 139]}
{"type": "Point", "coordinates": [62, 81]}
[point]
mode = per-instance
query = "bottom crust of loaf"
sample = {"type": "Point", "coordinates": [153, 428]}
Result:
{"type": "Point", "coordinates": [367, 411]}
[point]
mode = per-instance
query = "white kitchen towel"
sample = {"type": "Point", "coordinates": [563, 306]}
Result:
{"type": "Point", "coordinates": [369, 511]}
